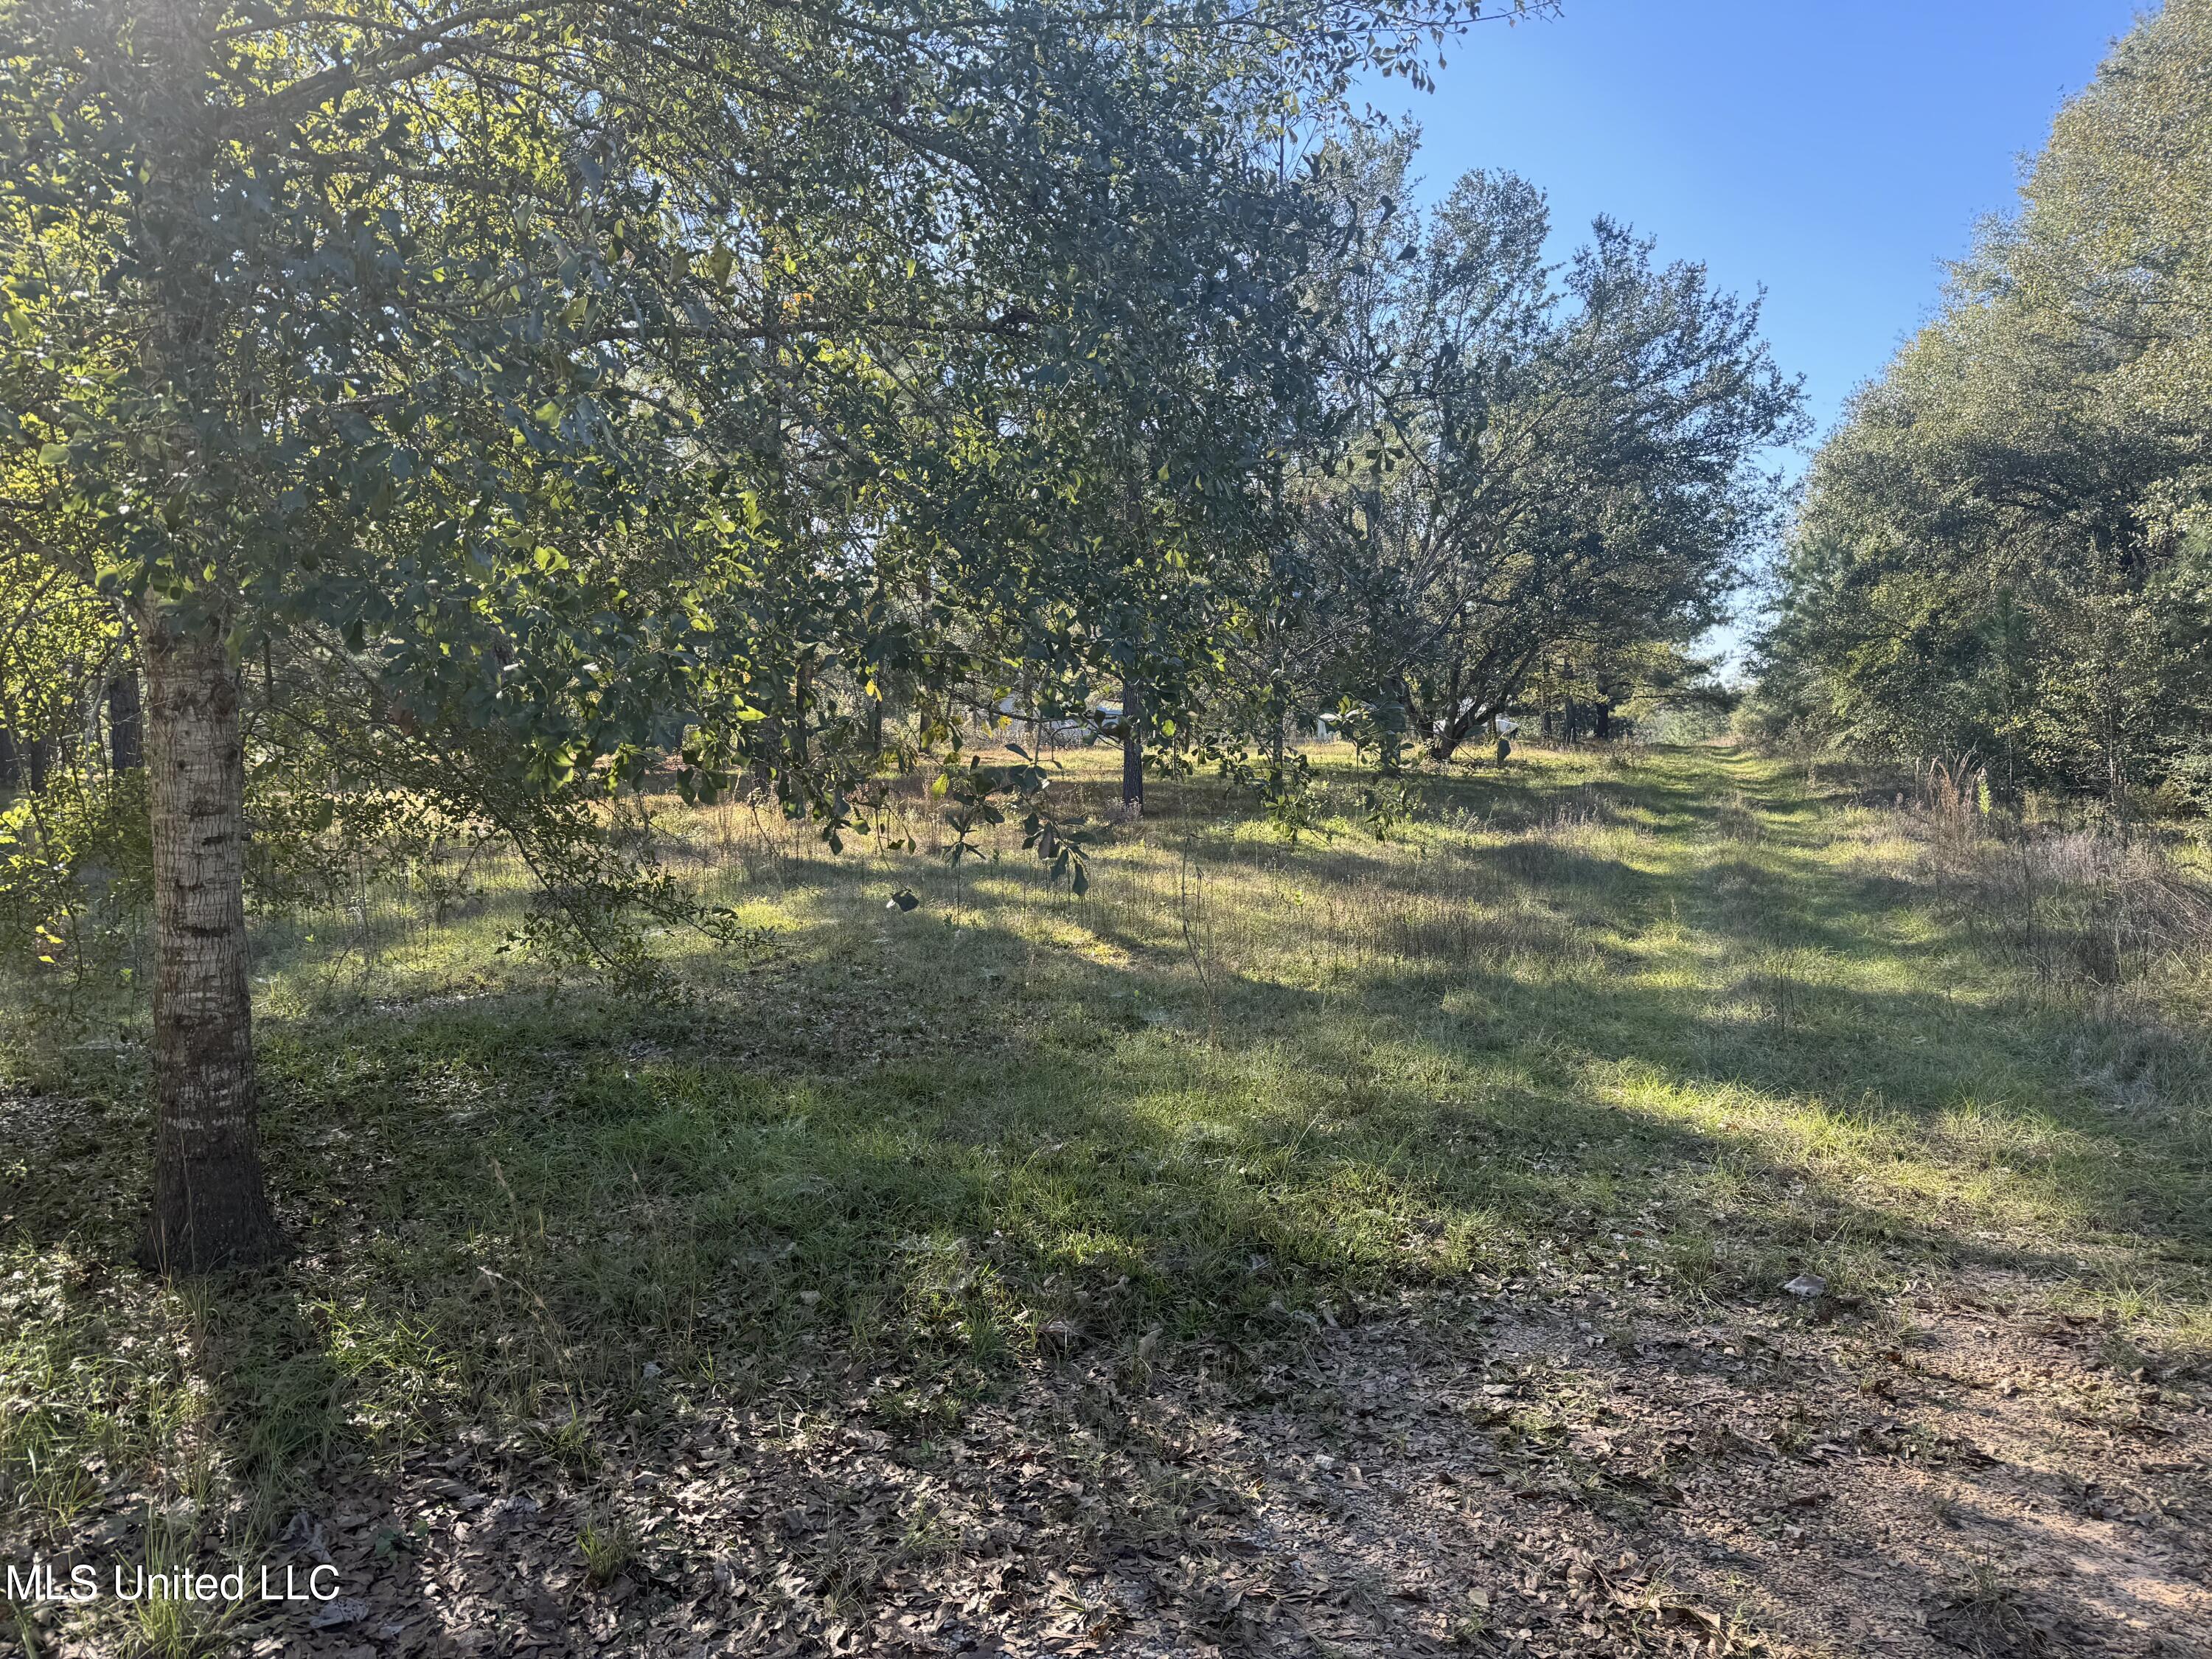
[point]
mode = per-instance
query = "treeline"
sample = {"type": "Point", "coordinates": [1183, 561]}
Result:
{"type": "Point", "coordinates": [467, 416]}
{"type": "Point", "coordinates": [2006, 550]}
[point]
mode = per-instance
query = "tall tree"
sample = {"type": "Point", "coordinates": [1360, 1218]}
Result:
{"type": "Point", "coordinates": [1541, 460]}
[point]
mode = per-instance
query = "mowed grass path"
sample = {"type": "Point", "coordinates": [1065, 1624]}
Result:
{"type": "Point", "coordinates": [1663, 1017]}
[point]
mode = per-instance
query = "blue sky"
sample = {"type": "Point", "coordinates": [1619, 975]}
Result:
{"type": "Point", "coordinates": [1836, 152]}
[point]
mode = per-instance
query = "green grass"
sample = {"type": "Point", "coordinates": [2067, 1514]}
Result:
{"type": "Point", "coordinates": [1662, 1019]}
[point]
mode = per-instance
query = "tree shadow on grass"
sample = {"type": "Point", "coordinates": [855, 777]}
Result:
{"type": "Point", "coordinates": [1103, 1188]}
{"type": "Point", "coordinates": [1104, 1146]}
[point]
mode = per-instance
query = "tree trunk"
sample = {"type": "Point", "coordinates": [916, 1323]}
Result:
{"type": "Point", "coordinates": [802, 700]}
{"type": "Point", "coordinates": [126, 722]}
{"type": "Point", "coordinates": [1601, 723]}
{"type": "Point", "coordinates": [210, 1209]}
{"type": "Point", "coordinates": [1133, 751]}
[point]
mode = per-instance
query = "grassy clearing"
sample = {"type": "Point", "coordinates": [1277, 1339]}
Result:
{"type": "Point", "coordinates": [1662, 1020]}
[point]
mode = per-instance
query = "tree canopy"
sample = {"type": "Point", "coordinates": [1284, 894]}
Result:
{"type": "Point", "coordinates": [572, 386]}
{"type": "Point", "coordinates": [1532, 462]}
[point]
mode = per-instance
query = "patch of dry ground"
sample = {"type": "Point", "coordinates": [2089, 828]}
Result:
{"type": "Point", "coordinates": [1491, 1472]}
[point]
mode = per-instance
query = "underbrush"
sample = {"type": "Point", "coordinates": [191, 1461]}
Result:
{"type": "Point", "coordinates": [2072, 906]}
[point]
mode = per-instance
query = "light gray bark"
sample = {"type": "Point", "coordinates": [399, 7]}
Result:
{"type": "Point", "coordinates": [210, 1209]}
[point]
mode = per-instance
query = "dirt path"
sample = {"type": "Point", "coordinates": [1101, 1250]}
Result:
{"type": "Point", "coordinates": [1499, 1472]}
